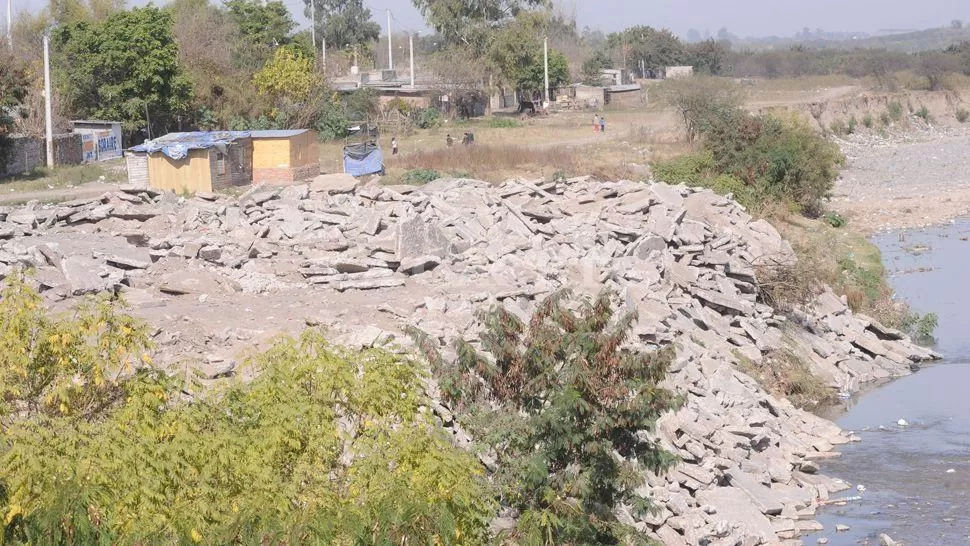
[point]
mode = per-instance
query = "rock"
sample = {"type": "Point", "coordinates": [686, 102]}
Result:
{"type": "Point", "coordinates": [81, 275]}
{"type": "Point", "coordinates": [809, 467]}
{"type": "Point", "coordinates": [125, 257]}
{"type": "Point", "coordinates": [335, 183]}
{"type": "Point", "coordinates": [418, 265]}
{"type": "Point", "coordinates": [902, 423]}
{"type": "Point", "coordinates": [734, 506]}
{"type": "Point", "coordinates": [196, 282]}
{"type": "Point", "coordinates": [841, 528]}
{"type": "Point", "coordinates": [823, 540]}
{"type": "Point", "coordinates": [416, 237]}
{"type": "Point", "coordinates": [210, 253]}
{"type": "Point", "coordinates": [216, 367]}
{"type": "Point", "coordinates": [368, 284]}
{"type": "Point", "coordinates": [886, 540]}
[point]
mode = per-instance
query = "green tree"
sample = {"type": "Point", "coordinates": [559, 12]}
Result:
{"type": "Point", "coordinates": [125, 68]}
{"type": "Point", "coordinates": [325, 446]}
{"type": "Point", "coordinates": [515, 48]}
{"type": "Point", "coordinates": [655, 48]}
{"type": "Point", "coordinates": [592, 71]}
{"type": "Point", "coordinates": [265, 26]}
{"type": "Point", "coordinates": [533, 79]}
{"type": "Point", "coordinates": [564, 406]}
{"type": "Point", "coordinates": [344, 23]}
{"type": "Point", "coordinates": [470, 22]}
{"type": "Point", "coordinates": [710, 56]}
{"type": "Point", "coordinates": [13, 91]}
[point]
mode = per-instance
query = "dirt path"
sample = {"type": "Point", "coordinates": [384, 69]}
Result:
{"type": "Point", "coordinates": [91, 189]}
{"type": "Point", "coordinates": [905, 182]}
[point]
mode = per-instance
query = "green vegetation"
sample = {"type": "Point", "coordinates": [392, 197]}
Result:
{"type": "Point", "coordinates": [834, 219]}
{"type": "Point", "coordinates": [838, 127]}
{"type": "Point", "coordinates": [783, 373]}
{"type": "Point", "coordinates": [502, 123]}
{"type": "Point", "coordinates": [923, 113]}
{"type": "Point", "coordinates": [867, 121]}
{"type": "Point", "coordinates": [921, 327]}
{"type": "Point", "coordinates": [895, 111]}
{"type": "Point", "coordinates": [326, 446]}
{"type": "Point", "coordinates": [852, 125]}
{"type": "Point", "coordinates": [419, 177]}
{"type": "Point", "coordinates": [962, 115]}
{"type": "Point", "coordinates": [563, 406]}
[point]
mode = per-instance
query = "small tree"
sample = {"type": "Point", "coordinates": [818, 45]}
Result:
{"type": "Point", "coordinates": [701, 101]}
{"type": "Point", "coordinates": [564, 403]}
{"type": "Point", "coordinates": [592, 71]}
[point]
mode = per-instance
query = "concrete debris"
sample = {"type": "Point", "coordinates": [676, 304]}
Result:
{"type": "Point", "coordinates": [216, 273]}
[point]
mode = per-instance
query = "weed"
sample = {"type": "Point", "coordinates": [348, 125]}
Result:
{"type": "Point", "coordinates": [923, 113]}
{"type": "Point", "coordinates": [419, 177]}
{"type": "Point", "coordinates": [921, 327]}
{"type": "Point", "coordinates": [867, 121]}
{"type": "Point", "coordinates": [895, 111]}
{"type": "Point", "coordinates": [559, 176]}
{"type": "Point", "coordinates": [783, 373]}
{"type": "Point", "coordinates": [838, 127]}
{"type": "Point", "coordinates": [502, 123]}
{"type": "Point", "coordinates": [962, 115]}
{"type": "Point", "coordinates": [834, 219]}
{"type": "Point", "coordinates": [853, 124]}
{"type": "Point", "coordinates": [885, 118]}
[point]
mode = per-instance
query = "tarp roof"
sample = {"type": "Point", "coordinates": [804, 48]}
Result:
{"type": "Point", "coordinates": [177, 145]}
{"type": "Point", "coordinates": [285, 133]}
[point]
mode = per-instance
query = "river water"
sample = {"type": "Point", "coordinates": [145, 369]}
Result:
{"type": "Point", "coordinates": [916, 477]}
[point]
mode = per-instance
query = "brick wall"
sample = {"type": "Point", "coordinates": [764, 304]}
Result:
{"type": "Point", "coordinates": [285, 176]}
{"type": "Point", "coordinates": [28, 153]}
{"type": "Point", "coordinates": [234, 168]}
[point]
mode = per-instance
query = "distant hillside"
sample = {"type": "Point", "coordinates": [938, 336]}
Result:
{"type": "Point", "coordinates": [909, 42]}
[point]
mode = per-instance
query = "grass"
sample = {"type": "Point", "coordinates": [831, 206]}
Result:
{"type": "Point", "coordinates": [42, 178]}
{"type": "Point", "coordinates": [783, 373]}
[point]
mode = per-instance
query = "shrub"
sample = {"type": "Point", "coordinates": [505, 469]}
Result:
{"type": "Point", "coordinates": [838, 127]}
{"type": "Point", "coordinates": [564, 405]}
{"type": "Point", "coordinates": [867, 121]}
{"type": "Point", "coordinates": [834, 219]}
{"type": "Point", "coordinates": [852, 126]}
{"type": "Point", "coordinates": [895, 111]}
{"type": "Point", "coordinates": [502, 123]}
{"type": "Point", "coordinates": [418, 177]}
{"type": "Point", "coordinates": [923, 113]}
{"type": "Point", "coordinates": [325, 446]}
{"type": "Point", "coordinates": [701, 102]}
{"type": "Point", "coordinates": [690, 169]}
{"type": "Point", "coordinates": [885, 118]}
{"type": "Point", "coordinates": [962, 115]}
{"type": "Point", "coordinates": [785, 374]}
{"type": "Point", "coordinates": [428, 118]}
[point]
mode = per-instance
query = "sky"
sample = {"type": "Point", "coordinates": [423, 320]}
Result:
{"type": "Point", "coordinates": [741, 17]}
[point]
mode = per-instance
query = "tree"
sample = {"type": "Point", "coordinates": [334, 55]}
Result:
{"type": "Point", "coordinates": [265, 26]}
{"type": "Point", "coordinates": [13, 91]}
{"type": "Point", "coordinates": [935, 66]}
{"type": "Point", "coordinates": [593, 67]}
{"type": "Point", "coordinates": [533, 79]}
{"type": "Point", "coordinates": [125, 68]}
{"type": "Point", "coordinates": [344, 23]}
{"type": "Point", "coordinates": [564, 405]}
{"type": "Point", "coordinates": [293, 87]}
{"type": "Point", "coordinates": [470, 22]}
{"type": "Point", "coordinates": [701, 101]}
{"type": "Point", "coordinates": [326, 446]}
{"type": "Point", "coordinates": [654, 48]}
{"type": "Point", "coordinates": [710, 56]}
{"type": "Point", "coordinates": [515, 47]}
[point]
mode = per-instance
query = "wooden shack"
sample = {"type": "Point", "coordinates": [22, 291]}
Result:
{"type": "Point", "coordinates": [197, 161]}
{"type": "Point", "coordinates": [284, 157]}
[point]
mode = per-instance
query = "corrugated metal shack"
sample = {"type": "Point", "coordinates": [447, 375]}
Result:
{"type": "Point", "coordinates": [195, 161]}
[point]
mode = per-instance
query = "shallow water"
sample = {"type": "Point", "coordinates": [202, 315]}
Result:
{"type": "Point", "coordinates": [916, 477]}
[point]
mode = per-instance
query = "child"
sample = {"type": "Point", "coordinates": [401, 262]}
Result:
{"type": "Point", "coordinates": [596, 123]}
{"type": "Point", "coordinates": [450, 140]}
{"type": "Point", "coordinates": [394, 145]}
{"type": "Point", "coordinates": [602, 124]}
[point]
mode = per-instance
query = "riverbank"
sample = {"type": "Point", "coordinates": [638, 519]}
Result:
{"type": "Point", "coordinates": [907, 180]}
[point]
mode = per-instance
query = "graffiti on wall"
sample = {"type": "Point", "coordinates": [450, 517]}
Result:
{"type": "Point", "coordinates": [99, 145]}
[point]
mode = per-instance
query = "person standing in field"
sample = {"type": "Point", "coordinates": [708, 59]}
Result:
{"type": "Point", "coordinates": [394, 145]}
{"type": "Point", "coordinates": [602, 124]}
{"type": "Point", "coordinates": [596, 123]}
{"type": "Point", "coordinates": [450, 141]}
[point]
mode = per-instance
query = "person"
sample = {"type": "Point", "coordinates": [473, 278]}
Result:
{"type": "Point", "coordinates": [602, 124]}
{"type": "Point", "coordinates": [596, 123]}
{"type": "Point", "coordinates": [450, 141]}
{"type": "Point", "coordinates": [394, 145]}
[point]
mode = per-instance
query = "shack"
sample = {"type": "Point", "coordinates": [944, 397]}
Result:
{"type": "Point", "coordinates": [626, 96]}
{"type": "Point", "coordinates": [195, 161]}
{"type": "Point", "coordinates": [284, 157]}
{"type": "Point", "coordinates": [100, 140]}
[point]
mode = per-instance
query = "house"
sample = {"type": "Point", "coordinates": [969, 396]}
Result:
{"type": "Point", "coordinates": [626, 96]}
{"type": "Point", "coordinates": [193, 162]}
{"type": "Point", "coordinates": [100, 140]}
{"type": "Point", "coordinates": [284, 157]}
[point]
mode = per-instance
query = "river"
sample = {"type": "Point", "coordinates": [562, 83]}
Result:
{"type": "Point", "coordinates": [916, 477]}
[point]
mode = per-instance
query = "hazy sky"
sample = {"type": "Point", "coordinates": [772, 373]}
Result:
{"type": "Point", "coordinates": [741, 17]}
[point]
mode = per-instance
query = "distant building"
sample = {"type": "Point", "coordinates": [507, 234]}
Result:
{"type": "Point", "coordinates": [284, 157]}
{"type": "Point", "coordinates": [193, 162]}
{"type": "Point", "coordinates": [100, 140]}
{"type": "Point", "coordinates": [673, 72]}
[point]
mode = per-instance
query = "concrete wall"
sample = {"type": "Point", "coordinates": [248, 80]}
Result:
{"type": "Point", "coordinates": [679, 71]}
{"type": "Point", "coordinates": [590, 97]}
{"type": "Point", "coordinates": [627, 99]}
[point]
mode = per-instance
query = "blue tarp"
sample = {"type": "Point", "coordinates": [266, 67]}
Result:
{"type": "Point", "coordinates": [362, 159]}
{"type": "Point", "coordinates": [177, 145]}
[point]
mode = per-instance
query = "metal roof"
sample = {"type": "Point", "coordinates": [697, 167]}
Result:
{"type": "Point", "coordinates": [285, 133]}
{"type": "Point", "coordinates": [95, 122]}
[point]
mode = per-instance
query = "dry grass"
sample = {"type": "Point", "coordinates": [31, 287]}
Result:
{"type": "Point", "coordinates": [782, 373]}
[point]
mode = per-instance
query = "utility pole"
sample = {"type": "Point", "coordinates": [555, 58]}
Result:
{"type": "Point", "coordinates": [390, 52]}
{"type": "Point", "coordinates": [323, 47]}
{"type": "Point", "coordinates": [411, 49]}
{"type": "Point", "coordinates": [10, 22]}
{"type": "Point", "coordinates": [313, 25]}
{"type": "Point", "coordinates": [545, 57]}
{"type": "Point", "coordinates": [47, 98]}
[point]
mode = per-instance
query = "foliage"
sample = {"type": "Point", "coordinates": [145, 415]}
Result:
{"type": "Point", "coordinates": [698, 170]}
{"type": "Point", "coordinates": [923, 113]}
{"type": "Point", "coordinates": [262, 25]}
{"type": "Point", "coordinates": [502, 123]}
{"type": "Point", "coordinates": [343, 23]}
{"type": "Point", "coordinates": [701, 102]}
{"type": "Point", "coordinates": [429, 118]}
{"type": "Point", "coordinates": [925, 327]}
{"type": "Point", "coordinates": [459, 22]}
{"type": "Point", "coordinates": [838, 127]}
{"type": "Point", "coordinates": [288, 75]}
{"type": "Point", "coordinates": [13, 91]}
{"type": "Point", "coordinates": [534, 77]}
{"type": "Point", "coordinates": [710, 56]}
{"type": "Point", "coordinates": [419, 177]}
{"type": "Point", "coordinates": [514, 50]}
{"type": "Point", "coordinates": [564, 403]}
{"type": "Point", "coordinates": [326, 445]}
{"type": "Point", "coordinates": [592, 70]}
{"type": "Point", "coordinates": [852, 125]}
{"type": "Point", "coordinates": [125, 68]}
{"type": "Point", "coordinates": [784, 373]}
{"type": "Point", "coordinates": [655, 48]}
{"type": "Point", "coordinates": [867, 121]}
{"type": "Point", "coordinates": [834, 219]}
{"type": "Point", "coordinates": [962, 115]}
{"type": "Point", "coordinates": [895, 111]}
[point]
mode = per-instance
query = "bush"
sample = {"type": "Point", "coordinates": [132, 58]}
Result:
{"type": "Point", "coordinates": [838, 127]}
{"type": "Point", "coordinates": [895, 111]}
{"type": "Point", "coordinates": [325, 446]}
{"type": "Point", "coordinates": [693, 169]}
{"type": "Point", "coordinates": [419, 177]}
{"type": "Point", "coordinates": [867, 121]}
{"type": "Point", "coordinates": [962, 115]}
{"type": "Point", "coordinates": [702, 102]}
{"type": "Point", "coordinates": [502, 123]}
{"type": "Point", "coordinates": [834, 219]}
{"type": "Point", "coordinates": [428, 118]}
{"type": "Point", "coordinates": [853, 125]}
{"type": "Point", "coordinates": [923, 113]}
{"type": "Point", "coordinates": [564, 405]}
{"type": "Point", "coordinates": [885, 119]}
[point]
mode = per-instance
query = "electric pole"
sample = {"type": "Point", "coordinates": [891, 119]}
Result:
{"type": "Point", "coordinates": [323, 47]}
{"type": "Point", "coordinates": [411, 49]}
{"type": "Point", "coordinates": [390, 52]}
{"type": "Point", "coordinates": [47, 98]}
{"type": "Point", "coordinates": [313, 25]}
{"type": "Point", "coordinates": [545, 57]}
{"type": "Point", "coordinates": [10, 22]}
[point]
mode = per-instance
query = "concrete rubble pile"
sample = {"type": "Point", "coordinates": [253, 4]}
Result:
{"type": "Point", "coordinates": [687, 261]}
